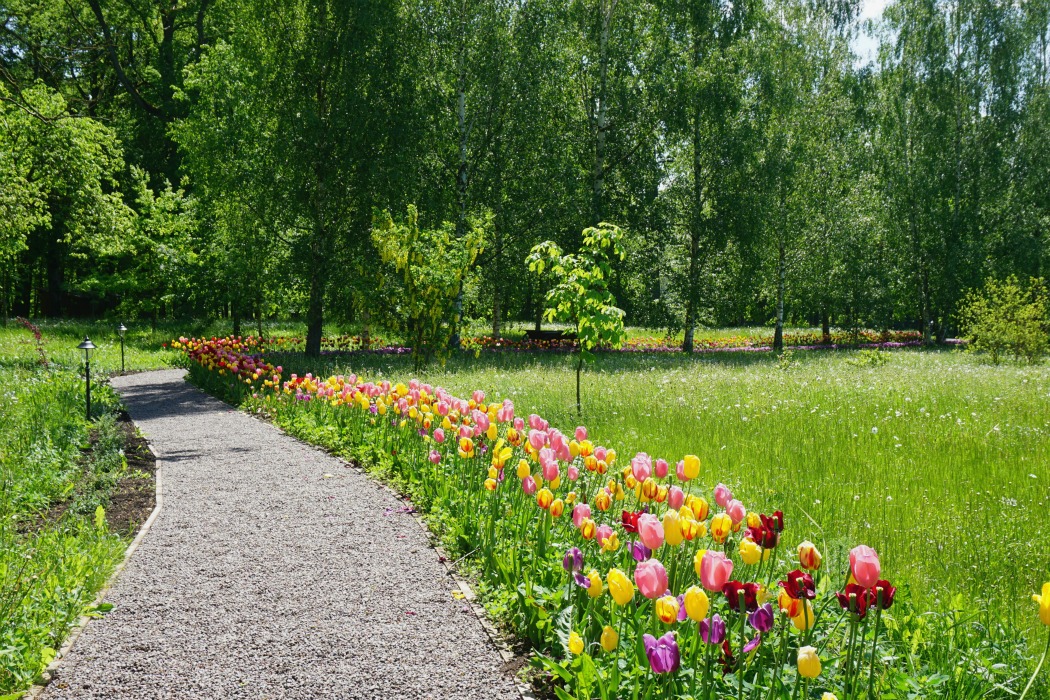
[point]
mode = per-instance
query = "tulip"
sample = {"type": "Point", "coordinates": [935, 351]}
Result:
{"type": "Point", "coordinates": [595, 586]}
{"type": "Point", "coordinates": [882, 594]}
{"type": "Point", "coordinates": [798, 585]}
{"type": "Point", "coordinates": [439, 435]}
{"type": "Point", "coordinates": [650, 531]}
{"type": "Point", "coordinates": [640, 552]}
{"type": "Point", "coordinates": [762, 618]}
{"type": "Point", "coordinates": [557, 507]}
{"type": "Point", "coordinates": [581, 511]}
{"type": "Point", "coordinates": [435, 457]}
{"type": "Point", "coordinates": [696, 603]}
{"type": "Point", "coordinates": [528, 485]}
{"type": "Point", "coordinates": [721, 526]}
{"type": "Point", "coordinates": [808, 662]}
{"type": "Point", "coordinates": [828, 696]}
{"type": "Point", "coordinates": [733, 590]}
{"type": "Point", "coordinates": [573, 472]}
{"type": "Point", "coordinates": [699, 506]}
{"type": "Point", "coordinates": [864, 565]}
{"type": "Point", "coordinates": [736, 510]}
{"type": "Point", "coordinates": [723, 495]}
{"type": "Point", "coordinates": [690, 467]}
{"type": "Point", "coordinates": [491, 484]}
{"type": "Point", "coordinates": [713, 631]}
{"type": "Point", "coordinates": [603, 533]}
{"type": "Point", "coordinates": [675, 498]}
{"type": "Point", "coordinates": [809, 556]}
{"type": "Point", "coordinates": [750, 553]}
{"type": "Point", "coordinates": [620, 587]}
{"type": "Point", "coordinates": [855, 599]}
{"type": "Point", "coordinates": [651, 578]}
{"type": "Point", "coordinates": [573, 560]}
{"type": "Point", "coordinates": [544, 498]}
{"type": "Point", "coordinates": [663, 653]}
{"type": "Point", "coordinates": [672, 528]}
{"type": "Point", "coordinates": [642, 466]}
{"type": "Point", "coordinates": [660, 468]}
{"type": "Point", "coordinates": [610, 639]}
{"type": "Point", "coordinates": [804, 619]}
{"type": "Point", "coordinates": [575, 644]}
{"type": "Point", "coordinates": [667, 608]}
{"type": "Point", "coordinates": [603, 501]}
{"type": "Point", "coordinates": [1044, 604]}
{"type": "Point", "coordinates": [715, 570]}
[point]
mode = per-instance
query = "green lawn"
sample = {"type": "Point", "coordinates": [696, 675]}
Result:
{"type": "Point", "coordinates": [935, 458]}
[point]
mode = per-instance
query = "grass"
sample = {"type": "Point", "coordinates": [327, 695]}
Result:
{"type": "Point", "coordinates": [55, 549]}
{"type": "Point", "coordinates": [936, 459]}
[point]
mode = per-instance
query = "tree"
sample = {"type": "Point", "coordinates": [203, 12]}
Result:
{"type": "Point", "coordinates": [580, 293]}
{"type": "Point", "coordinates": [431, 264]}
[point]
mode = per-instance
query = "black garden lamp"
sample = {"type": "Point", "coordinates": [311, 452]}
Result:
{"type": "Point", "coordinates": [87, 346]}
{"type": "Point", "coordinates": [121, 330]}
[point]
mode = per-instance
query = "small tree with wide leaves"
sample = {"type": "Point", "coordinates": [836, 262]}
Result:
{"type": "Point", "coordinates": [580, 293]}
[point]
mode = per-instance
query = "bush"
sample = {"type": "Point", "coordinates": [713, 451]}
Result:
{"type": "Point", "coordinates": [1006, 318]}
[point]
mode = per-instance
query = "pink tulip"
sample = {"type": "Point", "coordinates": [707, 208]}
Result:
{"type": "Point", "coordinates": [651, 578]}
{"type": "Point", "coordinates": [580, 512]}
{"type": "Point", "coordinates": [537, 438]}
{"type": "Point", "coordinates": [573, 473]}
{"type": "Point", "coordinates": [603, 533]}
{"type": "Point", "coordinates": [506, 413]}
{"type": "Point", "coordinates": [528, 485]}
{"type": "Point", "coordinates": [715, 570]}
{"type": "Point", "coordinates": [642, 466]}
{"type": "Point", "coordinates": [581, 433]}
{"type": "Point", "coordinates": [679, 470]}
{"type": "Point", "coordinates": [650, 531]}
{"type": "Point", "coordinates": [435, 456]}
{"type": "Point", "coordinates": [439, 435]}
{"type": "Point", "coordinates": [675, 497]}
{"type": "Point", "coordinates": [660, 468]}
{"type": "Point", "coordinates": [723, 495]}
{"type": "Point", "coordinates": [481, 420]}
{"type": "Point", "coordinates": [864, 563]}
{"type": "Point", "coordinates": [551, 471]}
{"type": "Point", "coordinates": [466, 431]}
{"type": "Point", "coordinates": [442, 408]}
{"type": "Point", "coordinates": [478, 396]}
{"type": "Point", "coordinates": [537, 423]}
{"type": "Point", "coordinates": [736, 510]}
{"type": "Point", "coordinates": [600, 453]}
{"type": "Point", "coordinates": [519, 424]}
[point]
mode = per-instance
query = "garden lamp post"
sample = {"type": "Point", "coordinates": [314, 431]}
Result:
{"type": "Point", "coordinates": [121, 330]}
{"type": "Point", "coordinates": [87, 346]}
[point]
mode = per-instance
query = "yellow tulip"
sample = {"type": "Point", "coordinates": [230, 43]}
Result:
{"type": "Point", "coordinates": [828, 696]}
{"type": "Point", "coordinates": [667, 609]}
{"type": "Point", "coordinates": [588, 529]}
{"type": "Point", "coordinates": [696, 603]}
{"type": "Point", "coordinates": [610, 638]}
{"type": "Point", "coordinates": [697, 558]}
{"type": "Point", "coordinates": [574, 449]}
{"type": "Point", "coordinates": [809, 556]}
{"type": "Point", "coordinates": [544, 498]}
{"type": "Point", "coordinates": [491, 432]}
{"type": "Point", "coordinates": [804, 620]}
{"type": "Point", "coordinates": [808, 662]}
{"type": "Point", "coordinates": [557, 507]}
{"type": "Point", "coordinates": [721, 526]}
{"type": "Point", "coordinates": [750, 553]}
{"type": "Point", "coordinates": [1044, 604]}
{"type": "Point", "coordinates": [575, 644]}
{"type": "Point", "coordinates": [523, 469]}
{"type": "Point", "coordinates": [691, 466]}
{"type": "Point", "coordinates": [611, 543]}
{"type": "Point", "coordinates": [603, 501]}
{"type": "Point", "coordinates": [596, 588]}
{"type": "Point", "coordinates": [610, 457]}
{"type": "Point", "coordinates": [699, 507]}
{"type": "Point", "coordinates": [672, 528]}
{"type": "Point", "coordinates": [620, 587]}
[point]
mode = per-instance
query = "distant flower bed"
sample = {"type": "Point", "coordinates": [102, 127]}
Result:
{"type": "Point", "coordinates": [740, 343]}
{"type": "Point", "coordinates": [623, 575]}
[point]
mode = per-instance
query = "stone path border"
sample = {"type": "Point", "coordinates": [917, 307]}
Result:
{"type": "Point", "coordinates": [275, 570]}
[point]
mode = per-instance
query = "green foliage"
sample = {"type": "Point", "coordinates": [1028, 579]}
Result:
{"type": "Point", "coordinates": [1005, 317]}
{"type": "Point", "coordinates": [580, 293]}
{"type": "Point", "coordinates": [431, 265]}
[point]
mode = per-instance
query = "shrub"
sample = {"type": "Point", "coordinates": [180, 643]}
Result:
{"type": "Point", "coordinates": [1006, 318]}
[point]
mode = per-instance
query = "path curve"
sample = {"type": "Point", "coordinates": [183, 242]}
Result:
{"type": "Point", "coordinates": [262, 578]}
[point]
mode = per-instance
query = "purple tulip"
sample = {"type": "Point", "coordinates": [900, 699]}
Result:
{"type": "Point", "coordinates": [682, 614]}
{"type": "Point", "coordinates": [713, 631]}
{"type": "Point", "coordinates": [640, 552]}
{"type": "Point", "coordinates": [762, 619]}
{"type": "Point", "coordinates": [573, 560]}
{"type": "Point", "coordinates": [663, 653]}
{"type": "Point", "coordinates": [753, 644]}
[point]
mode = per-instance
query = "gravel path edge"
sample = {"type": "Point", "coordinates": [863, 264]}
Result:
{"type": "Point", "coordinates": [36, 691]}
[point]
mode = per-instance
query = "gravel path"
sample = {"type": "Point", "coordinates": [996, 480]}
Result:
{"type": "Point", "coordinates": [264, 578]}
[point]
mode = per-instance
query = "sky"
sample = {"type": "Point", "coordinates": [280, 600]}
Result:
{"type": "Point", "coordinates": [865, 45]}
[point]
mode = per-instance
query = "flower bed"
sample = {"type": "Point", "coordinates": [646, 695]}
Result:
{"type": "Point", "coordinates": [630, 578]}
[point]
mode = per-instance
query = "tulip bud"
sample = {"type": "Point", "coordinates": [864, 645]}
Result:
{"type": "Point", "coordinates": [610, 639]}
{"type": "Point", "coordinates": [697, 603]}
{"type": "Point", "coordinates": [808, 662]}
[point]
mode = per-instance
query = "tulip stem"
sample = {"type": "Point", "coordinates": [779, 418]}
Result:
{"type": "Point", "coordinates": [740, 658]}
{"type": "Point", "coordinates": [1038, 667]}
{"type": "Point", "coordinates": [874, 647]}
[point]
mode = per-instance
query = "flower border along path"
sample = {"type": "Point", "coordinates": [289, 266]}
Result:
{"type": "Point", "coordinates": [273, 571]}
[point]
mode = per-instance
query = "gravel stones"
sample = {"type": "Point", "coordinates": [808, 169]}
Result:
{"type": "Point", "coordinates": [273, 571]}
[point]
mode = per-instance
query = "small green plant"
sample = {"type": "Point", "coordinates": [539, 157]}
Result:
{"type": "Point", "coordinates": [432, 264]}
{"type": "Point", "coordinates": [1006, 318]}
{"type": "Point", "coordinates": [869, 358]}
{"type": "Point", "coordinates": [786, 360]}
{"type": "Point", "coordinates": [580, 295]}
